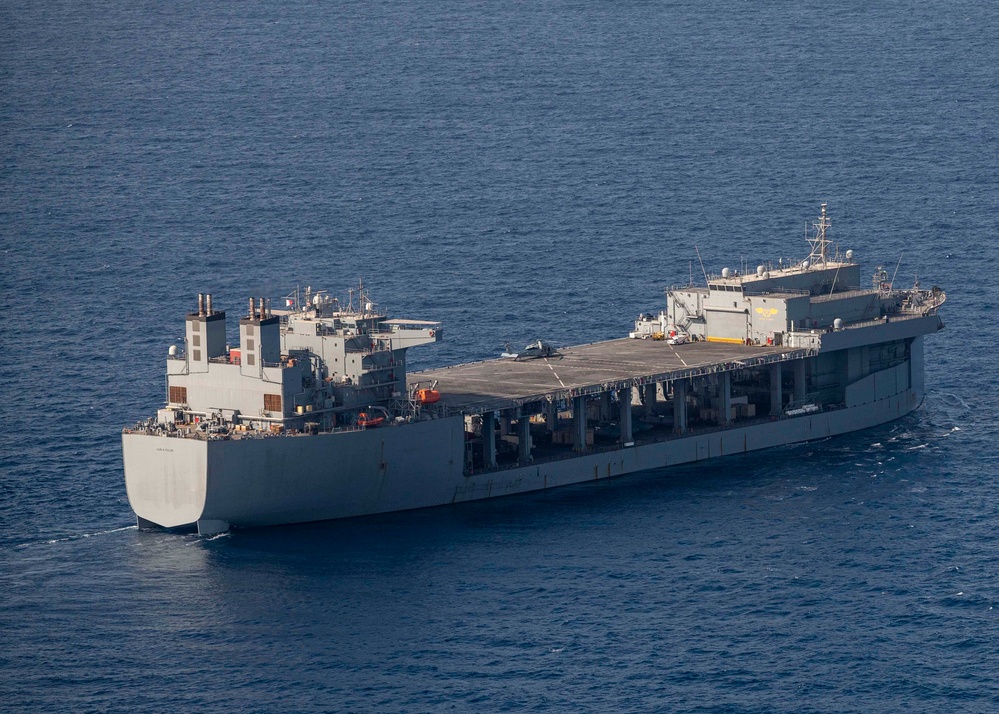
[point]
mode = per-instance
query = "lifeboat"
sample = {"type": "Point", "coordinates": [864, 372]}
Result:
{"type": "Point", "coordinates": [427, 396]}
{"type": "Point", "coordinates": [369, 420]}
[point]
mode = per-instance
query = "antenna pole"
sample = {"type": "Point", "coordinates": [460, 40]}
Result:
{"type": "Point", "coordinates": [702, 264]}
{"type": "Point", "coordinates": [892, 283]}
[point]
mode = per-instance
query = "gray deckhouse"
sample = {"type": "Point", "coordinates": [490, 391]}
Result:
{"type": "Point", "coordinates": [313, 366]}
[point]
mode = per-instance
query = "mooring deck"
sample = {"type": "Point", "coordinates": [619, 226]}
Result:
{"type": "Point", "coordinates": [589, 369]}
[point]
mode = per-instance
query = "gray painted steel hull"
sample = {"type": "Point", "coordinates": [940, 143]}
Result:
{"type": "Point", "coordinates": [175, 482]}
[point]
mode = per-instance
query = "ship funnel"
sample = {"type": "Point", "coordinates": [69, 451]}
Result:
{"type": "Point", "coordinates": [201, 304]}
{"type": "Point", "coordinates": [252, 310]}
{"type": "Point", "coordinates": [263, 309]}
{"type": "Point", "coordinates": [208, 304]}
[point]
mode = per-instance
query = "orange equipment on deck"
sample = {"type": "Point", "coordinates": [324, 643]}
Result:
{"type": "Point", "coordinates": [427, 396]}
{"type": "Point", "coordinates": [368, 420]}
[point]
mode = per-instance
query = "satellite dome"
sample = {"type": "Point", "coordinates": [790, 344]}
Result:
{"type": "Point", "coordinates": [726, 273]}
{"type": "Point", "coordinates": [760, 270]}
{"type": "Point", "coordinates": [849, 255]}
{"type": "Point", "coordinates": [173, 351]}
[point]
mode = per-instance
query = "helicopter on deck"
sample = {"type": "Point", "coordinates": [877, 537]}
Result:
{"type": "Point", "coordinates": [535, 350]}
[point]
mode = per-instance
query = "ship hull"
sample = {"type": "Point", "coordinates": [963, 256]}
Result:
{"type": "Point", "coordinates": [214, 485]}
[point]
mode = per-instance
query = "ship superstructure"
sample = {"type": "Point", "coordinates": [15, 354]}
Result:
{"type": "Point", "coordinates": [309, 368]}
{"type": "Point", "coordinates": [313, 416]}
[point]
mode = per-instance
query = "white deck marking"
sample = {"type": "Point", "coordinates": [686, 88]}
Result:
{"type": "Point", "coordinates": [555, 373]}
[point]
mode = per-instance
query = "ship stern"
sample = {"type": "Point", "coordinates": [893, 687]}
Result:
{"type": "Point", "coordinates": [165, 478]}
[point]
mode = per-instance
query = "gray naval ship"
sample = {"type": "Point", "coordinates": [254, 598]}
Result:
{"type": "Point", "coordinates": [313, 415]}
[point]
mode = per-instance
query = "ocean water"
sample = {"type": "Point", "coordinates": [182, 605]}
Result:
{"type": "Point", "coordinates": [517, 170]}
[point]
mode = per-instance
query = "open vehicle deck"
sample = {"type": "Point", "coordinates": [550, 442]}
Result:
{"type": "Point", "coordinates": [589, 369]}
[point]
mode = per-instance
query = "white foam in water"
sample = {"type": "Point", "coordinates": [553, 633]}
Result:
{"type": "Point", "coordinates": [207, 539]}
{"type": "Point", "coordinates": [91, 535]}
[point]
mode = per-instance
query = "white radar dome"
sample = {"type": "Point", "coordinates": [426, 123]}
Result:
{"type": "Point", "coordinates": [760, 270]}
{"type": "Point", "coordinates": [173, 351]}
{"type": "Point", "coordinates": [849, 255]}
{"type": "Point", "coordinates": [838, 323]}
{"type": "Point", "coordinates": [726, 273]}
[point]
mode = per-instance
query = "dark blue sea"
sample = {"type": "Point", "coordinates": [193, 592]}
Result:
{"type": "Point", "coordinates": [517, 170]}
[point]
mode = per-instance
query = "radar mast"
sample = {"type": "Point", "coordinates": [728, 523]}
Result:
{"type": "Point", "coordinates": [820, 243]}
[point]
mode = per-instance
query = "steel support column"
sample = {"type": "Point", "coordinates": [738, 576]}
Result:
{"type": "Point", "coordinates": [489, 439]}
{"type": "Point", "coordinates": [579, 423]}
{"type": "Point", "coordinates": [506, 418]}
{"type": "Point", "coordinates": [799, 380]}
{"type": "Point", "coordinates": [624, 404]}
{"type": "Point", "coordinates": [776, 395]}
{"type": "Point", "coordinates": [680, 406]}
{"type": "Point", "coordinates": [725, 398]}
{"type": "Point", "coordinates": [524, 437]}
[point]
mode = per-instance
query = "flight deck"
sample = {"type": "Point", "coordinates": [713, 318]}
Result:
{"type": "Point", "coordinates": [590, 369]}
